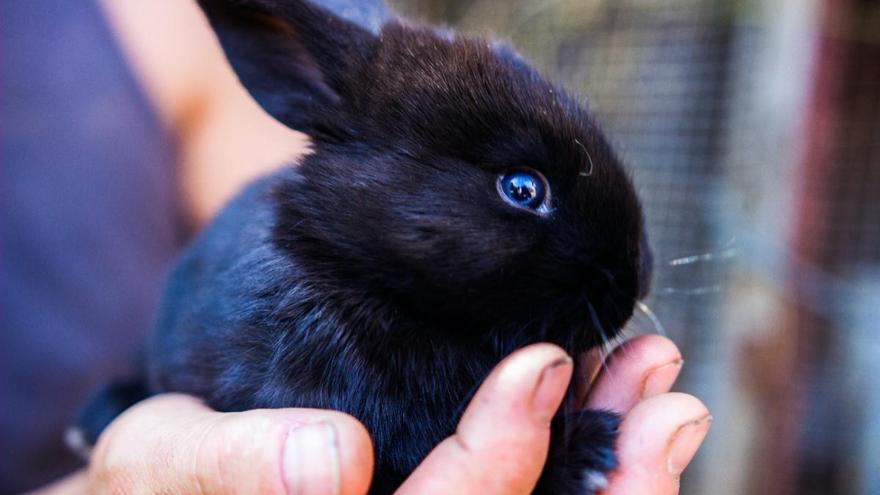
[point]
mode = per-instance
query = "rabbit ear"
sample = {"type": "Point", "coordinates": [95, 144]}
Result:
{"type": "Point", "coordinates": [296, 59]}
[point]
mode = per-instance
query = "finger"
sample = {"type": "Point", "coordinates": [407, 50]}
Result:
{"type": "Point", "coordinates": [174, 444]}
{"type": "Point", "coordinates": [502, 439]}
{"type": "Point", "coordinates": [639, 368]}
{"type": "Point", "coordinates": [658, 438]}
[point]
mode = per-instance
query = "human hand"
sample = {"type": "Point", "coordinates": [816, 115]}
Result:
{"type": "Point", "coordinates": [502, 440]}
{"type": "Point", "coordinates": [173, 443]}
{"type": "Point", "coordinates": [661, 431]}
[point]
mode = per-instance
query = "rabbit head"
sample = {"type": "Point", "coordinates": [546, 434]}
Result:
{"type": "Point", "coordinates": [447, 177]}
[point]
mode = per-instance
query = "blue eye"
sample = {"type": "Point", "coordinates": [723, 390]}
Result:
{"type": "Point", "coordinates": [523, 188]}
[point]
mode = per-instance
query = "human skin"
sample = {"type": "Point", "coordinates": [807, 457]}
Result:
{"type": "Point", "coordinates": [223, 138]}
{"type": "Point", "coordinates": [174, 444]}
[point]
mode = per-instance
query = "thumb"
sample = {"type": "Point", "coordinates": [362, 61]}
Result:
{"type": "Point", "coordinates": [174, 444]}
{"type": "Point", "coordinates": [501, 443]}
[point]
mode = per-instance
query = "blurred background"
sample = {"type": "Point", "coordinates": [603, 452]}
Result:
{"type": "Point", "coordinates": [752, 129]}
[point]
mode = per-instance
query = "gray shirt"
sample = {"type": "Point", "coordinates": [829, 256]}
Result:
{"type": "Point", "coordinates": [89, 225]}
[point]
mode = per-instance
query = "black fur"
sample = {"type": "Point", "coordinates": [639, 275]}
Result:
{"type": "Point", "coordinates": [384, 275]}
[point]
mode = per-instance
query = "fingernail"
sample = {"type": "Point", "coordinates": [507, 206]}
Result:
{"type": "Point", "coordinates": [311, 460]}
{"type": "Point", "coordinates": [660, 379]}
{"type": "Point", "coordinates": [684, 444]}
{"type": "Point", "coordinates": [551, 388]}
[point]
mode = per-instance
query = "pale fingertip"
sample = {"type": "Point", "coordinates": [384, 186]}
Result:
{"type": "Point", "coordinates": [310, 460]}
{"type": "Point", "coordinates": [659, 380]}
{"type": "Point", "coordinates": [628, 375]}
{"type": "Point", "coordinates": [339, 450]}
{"type": "Point", "coordinates": [646, 350]}
{"type": "Point", "coordinates": [658, 438]}
{"type": "Point", "coordinates": [550, 389]}
{"type": "Point", "coordinates": [684, 444]}
{"type": "Point", "coordinates": [513, 388]}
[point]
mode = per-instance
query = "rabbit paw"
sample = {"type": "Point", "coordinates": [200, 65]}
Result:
{"type": "Point", "coordinates": [581, 453]}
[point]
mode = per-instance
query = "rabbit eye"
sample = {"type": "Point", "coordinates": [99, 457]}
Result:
{"type": "Point", "coordinates": [523, 188]}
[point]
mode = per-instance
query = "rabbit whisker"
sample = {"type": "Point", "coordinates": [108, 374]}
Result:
{"type": "Point", "coordinates": [589, 171]}
{"type": "Point", "coordinates": [727, 251]}
{"type": "Point", "coordinates": [658, 327]}
{"type": "Point", "coordinates": [606, 344]}
{"type": "Point", "coordinates": [694, 291]}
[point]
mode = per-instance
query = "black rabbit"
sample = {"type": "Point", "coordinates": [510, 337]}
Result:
{"type": "Point", "coordinates": [456, 207]}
